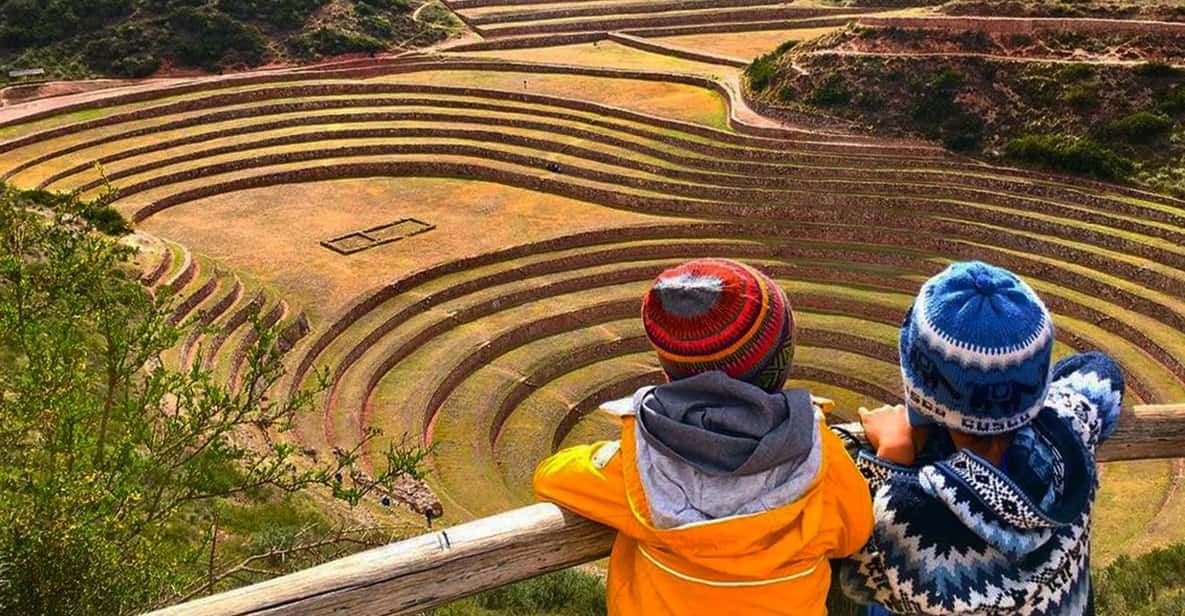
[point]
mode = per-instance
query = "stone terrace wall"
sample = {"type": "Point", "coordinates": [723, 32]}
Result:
{"type": "Point", "coordinates": [674, 51]}
{"type": "Point", "coordinates": [729, 27]}
{"type": "Point", "coordinates": [236, 321]}
{"type": "Point", "coordinates": [593, 400]}
{"type": "Point", "coordinates": [518, 336]}
{"type": "Point", "coordinates": [613, 8]}
{"type": "Point", "coordinates": [1026, 25]}
{"type": "Point", "coordinates": [824, 205]}
{"type": "Point", "coordinates": [197, 297]}
{"type": "Point", "coordinates": [151, 278]}
{"type": "Point", "coordinates": [661, 20]}
{"type": "Point", "coordinates": [520, 390]}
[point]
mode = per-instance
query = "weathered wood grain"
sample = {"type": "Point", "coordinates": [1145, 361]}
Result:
{"type": "Point", "coordinates": [422, 572]}
{"type": "Point", "coordinates": [440, 567]}
{"type": "Point", "coordinates": [1144, 432]}
{"type": "Point", "coordinates": [1147, 432]}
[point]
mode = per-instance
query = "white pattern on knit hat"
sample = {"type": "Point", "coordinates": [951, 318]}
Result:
{"type": "Point", "coordinates": [917, 400]}
{"type": "Point", "coordinates": [985, 358]}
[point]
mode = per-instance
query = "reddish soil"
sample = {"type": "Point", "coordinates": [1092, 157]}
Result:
{"type": "Point", "coordinates": [21, 93]}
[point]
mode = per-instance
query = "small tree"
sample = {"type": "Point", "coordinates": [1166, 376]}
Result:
{"type": "Point", "coordinates": [103, 447]}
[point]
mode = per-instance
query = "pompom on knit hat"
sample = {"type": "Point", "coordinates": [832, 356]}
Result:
{"type": "Point", "coordinates": [718, 314]}
{"type": "Point", "coordinates": [975, 351]}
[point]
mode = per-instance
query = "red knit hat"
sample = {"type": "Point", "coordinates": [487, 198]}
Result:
{"type": "Point", "coordinates": [717, 314]}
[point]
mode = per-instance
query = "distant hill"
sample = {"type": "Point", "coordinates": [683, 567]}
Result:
{"type": "Point", "coordinates": [1161, 10]}
{"type": "Point", "coordinates": [1108, 105]}
{"type": "Point", "coordinates": [138, 38]}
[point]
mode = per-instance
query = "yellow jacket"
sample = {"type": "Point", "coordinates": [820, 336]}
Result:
{"type": "Point", "coordinates": [774, 562]}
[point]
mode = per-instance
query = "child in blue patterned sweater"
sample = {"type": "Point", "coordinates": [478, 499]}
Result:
{"type": "Point", "coordinates": [983, 481]}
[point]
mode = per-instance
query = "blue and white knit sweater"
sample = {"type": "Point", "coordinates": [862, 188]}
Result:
{"type": "Point", "coordinates": [957, 535]}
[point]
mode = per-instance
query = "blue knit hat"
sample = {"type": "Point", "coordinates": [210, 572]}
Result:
{"type": "Point", "coordinates": [975, 351]}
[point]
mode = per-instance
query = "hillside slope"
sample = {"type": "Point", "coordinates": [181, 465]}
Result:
{"type": "Point", "coordinates": [1162, 10]}
{"type": "Point", "coordinates": [1109, 106]}
{"type": "Point", "coordinates": [137, 38]}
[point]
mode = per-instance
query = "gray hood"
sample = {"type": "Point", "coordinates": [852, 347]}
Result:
{"type": "Point", "coordinates": [711, 447]}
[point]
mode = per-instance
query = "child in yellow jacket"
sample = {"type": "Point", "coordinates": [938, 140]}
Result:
{"type": "Point", "coordinates": [729, 494]}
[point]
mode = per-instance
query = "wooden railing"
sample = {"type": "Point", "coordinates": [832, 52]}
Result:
{"type": "Point", "coordinates": [437, 568]}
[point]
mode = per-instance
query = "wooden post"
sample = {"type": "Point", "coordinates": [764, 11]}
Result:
{"type": "Point", "coordinates": [1147, 432]}
{"type": "Point", "coordinates": [434, 569]}
{"type": "Point", "coordinates": [1143, 433]}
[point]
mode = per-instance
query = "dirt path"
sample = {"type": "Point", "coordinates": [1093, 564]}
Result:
{"type": "Point", "coordinates": [1176, 478]}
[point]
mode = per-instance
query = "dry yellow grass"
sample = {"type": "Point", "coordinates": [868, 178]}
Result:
{"type": "Point", "coordinates": [744, 45]}
{"type": "Point", "coordinates": [607, 54]}
{"type": "Point", "coordinates": [672, 100]}
{"type": "Point", "coordinates": [274, 233]}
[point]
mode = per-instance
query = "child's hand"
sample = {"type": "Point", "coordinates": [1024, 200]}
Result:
{"type": "Point", "coordinates": [888, 431]}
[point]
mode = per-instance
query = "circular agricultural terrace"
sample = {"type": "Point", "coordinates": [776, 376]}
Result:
{"type": "Point", "coordinates": [462, 240]}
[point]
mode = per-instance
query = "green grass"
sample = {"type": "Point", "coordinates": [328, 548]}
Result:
{"type": "Point", "coordinates": [85, 155]}
{"type": "Point", "coordinates": [1152, 584]}
{"type": "Point", "coordinates": [834, 361]}
{"type": "Point", "coordinates": [465, 419]}
{"type": "Point", "coordinates": [526, 439]}
{"type": "Point", "coordinates": [571, 592]}
{"type": "Point", "coordinates": [405, 391]}
{"type": "Point", "coordinates": [563, 593]}
{"type": "Point", "coordinates": [1119, 518]}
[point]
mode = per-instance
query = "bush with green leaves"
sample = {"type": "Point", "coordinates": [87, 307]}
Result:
{"type": "Point", "coordinates": [761, 71]}
{"type": "Point", "coordinates": [936, 108]}
{"type": "Point", "coordinates": [1078, 71]}
{"type": "Point", "coordinates": [1152, 584]}
{"type": "Point", "coordinates": [135, 38]}
{"type": "Point", "coordinates": [1113, 121]}
{"type": "Point", "coordinates": [1157, 70]}
{"type": "Point", "coordinates": [280, 14]}
{"type": "Point", "coordinates": [787, 94]}
{"type": "Point", "coordinates": [389, 6]}
{"type": "Point", "coordinates": [331, 41]}
{"type": "Point", "coordinates": [209, 39]}
{"type": "Point", "coordinates": [1172, 101]}
{"type": "Point", "coordinates": [128, 50]}
{"type": "Point", "coordinates": [98, 213]}
{"type": "Point", "coordinates": [107, 456]}
{"type": "Point", "coordinates": [1141, 127]}
{"type": "Point", "coordinates": [831, 92]}
{"type": "Point", "coordinates": [25, 23]}
{"type": "Point", "coordinates": [1070, 154]}
{"type": "Point", "coordinates": [1080, 96]}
